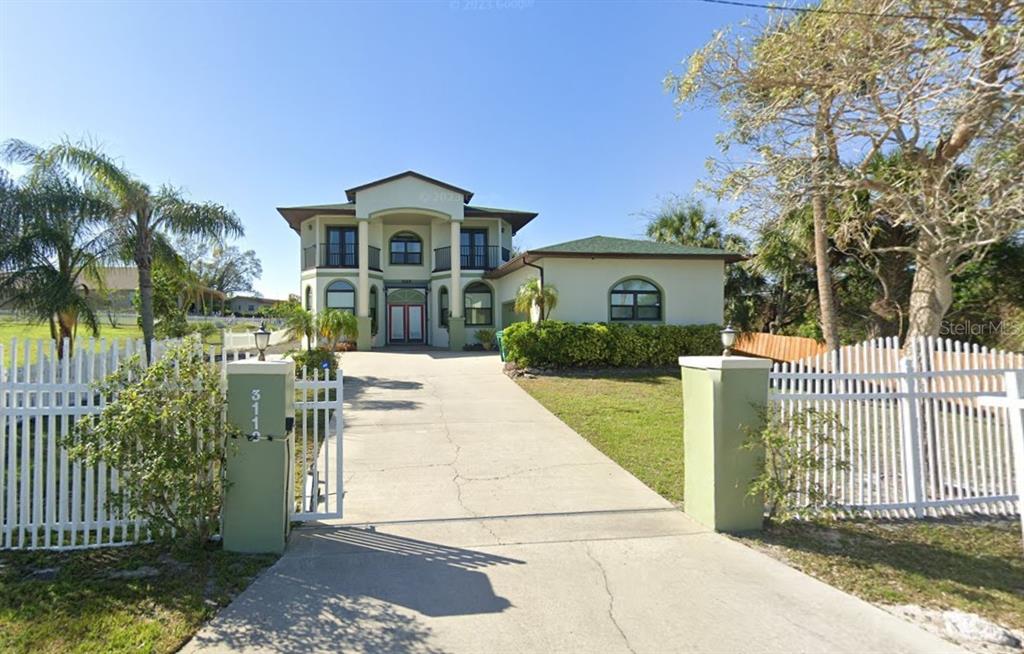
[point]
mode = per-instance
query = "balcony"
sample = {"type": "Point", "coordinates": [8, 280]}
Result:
{"type": "Point", "coordinates": [473, 257]}
{"type": "Point", "coordinates": [338, 255]}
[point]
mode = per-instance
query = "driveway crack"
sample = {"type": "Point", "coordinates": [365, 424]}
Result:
{"type": "Point", "coordinates": [457, 477]}
{"type": "Point", "coordinates": [611, 597]}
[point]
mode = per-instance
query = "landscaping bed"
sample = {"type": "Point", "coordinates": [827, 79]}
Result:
{"type": "Point", "coordinates": [119, 599]}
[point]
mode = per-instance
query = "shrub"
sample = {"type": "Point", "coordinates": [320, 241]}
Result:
{"type": "Point", "coordinates": [162, 429]}
{"type": "Point", "coordinates": [793, 451]}
{"type": "Point", "coordinates": [557, 344]}
{"type": "Point", "coordinates": [485, 337]}
{"type": "Point", "coordinates": [315, 361]}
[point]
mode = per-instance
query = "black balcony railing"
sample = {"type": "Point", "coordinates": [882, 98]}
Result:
{"type": "Point", "coordinates": [338, 255]}
{"type": "Point", "coordinates": [472, 257]}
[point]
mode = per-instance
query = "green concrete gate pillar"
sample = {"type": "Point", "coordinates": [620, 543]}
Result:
{"type": "Point", "coordinates": [456, 333]}
{"type": "Point", "coordinates": [721, 398]}
{"type": "Point", "coordinates": [257, 501]}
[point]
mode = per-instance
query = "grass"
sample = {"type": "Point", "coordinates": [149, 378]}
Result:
{"type": "Point", "coordinates": [11, 329]}
{"type": "Point", "coordinates": [973, 565]}
{"type": "Point", "coordinates": [84, 610]}
{"type": "Point", "coordinates": [636, 419]}
{"type": "Point", "coordinates": [21, 330]}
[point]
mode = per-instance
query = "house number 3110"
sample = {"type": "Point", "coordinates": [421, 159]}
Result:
{"type": "Point", "coordinates": [254, 395]}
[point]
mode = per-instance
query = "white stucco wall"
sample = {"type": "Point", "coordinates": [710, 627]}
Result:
{"type": "Point", "coordinates": [692, 290]}
{"type": "Point", "coordinates": [407, 193]}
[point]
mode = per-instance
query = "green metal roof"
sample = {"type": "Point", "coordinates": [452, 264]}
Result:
{"type": "Point", "coordinates": [627, 246]}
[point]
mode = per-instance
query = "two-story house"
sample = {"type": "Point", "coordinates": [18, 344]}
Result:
{"type": "Point", "coordinates": [387, 255]}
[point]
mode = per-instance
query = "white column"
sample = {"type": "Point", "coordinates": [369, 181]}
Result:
{"type": "Point", "coordinates": [455, 293]}
{"type": "Point", "coordinates": [363, 292]}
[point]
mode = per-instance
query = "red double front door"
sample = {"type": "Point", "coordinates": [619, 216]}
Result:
{"type": "Point", "coordinates": [406, 323]}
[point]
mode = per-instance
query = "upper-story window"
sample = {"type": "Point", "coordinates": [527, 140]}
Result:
{"type": "Point", "coordinates": [635, 299]}
{"type": "Point", "coordinates": [342, 247]}
{"type": "Point", "coordinates": [406, 249]}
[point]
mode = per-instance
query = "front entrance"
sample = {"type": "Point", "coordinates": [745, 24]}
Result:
{"type": "Point", "coordinates": [407, 317]}
{"type": "Point", "coordinates": [406, 323]}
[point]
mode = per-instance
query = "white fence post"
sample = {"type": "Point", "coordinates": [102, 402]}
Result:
{"type": "Point", "coordinates": [1015, 407]}
{"type": "Point", "coordinates": [910, 430]}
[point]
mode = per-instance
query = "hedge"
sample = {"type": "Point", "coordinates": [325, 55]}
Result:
{"type": "Point", "coordinates": [557, 344]}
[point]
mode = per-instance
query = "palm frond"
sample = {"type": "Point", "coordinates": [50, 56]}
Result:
{"type": "Point", "coordinates": [204, 219]}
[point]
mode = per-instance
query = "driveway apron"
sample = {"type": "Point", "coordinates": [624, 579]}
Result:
{"type": "Point", "coordinates": [476, 521]}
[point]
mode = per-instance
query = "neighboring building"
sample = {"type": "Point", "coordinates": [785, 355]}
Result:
{"type": "Point", "coordinates": [249, 305]}
{"type": "Point", "coordinates": [386, 255]}
{"type": "Point", "coordinates": [113, 287]}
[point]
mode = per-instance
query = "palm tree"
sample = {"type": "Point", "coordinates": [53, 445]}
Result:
{"type": "Point", "coordinates": [531, 293]}
{"type": "Point", "coordinates": [685, 222]}
{"type": "Point", "coordinates": [53, 236]}
{"type": "Point", "coordinates": [333, 324]}
{"type": "Point", "coordinates": [143, 216]}
{"type": "Point", "coordinates": [298, 322]}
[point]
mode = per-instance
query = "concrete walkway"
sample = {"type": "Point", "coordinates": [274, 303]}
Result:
{"type": "Point", "coordinates": [478, 522]}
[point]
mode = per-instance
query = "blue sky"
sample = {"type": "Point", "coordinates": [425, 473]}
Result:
{"type": "Point", "coordinates": [554, 107]}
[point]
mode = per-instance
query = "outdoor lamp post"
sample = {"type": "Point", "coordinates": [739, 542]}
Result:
{"type": "Point", "coordinates": [728, 340]}
{"type": "Point", "coordinates": [262, 337]}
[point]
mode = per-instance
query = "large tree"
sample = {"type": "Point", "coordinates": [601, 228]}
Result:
{"type": "Point", "coordinates": [53, 235]}
{"type": "Point", "coordinates": [813, 98]}
{"type": "Point", "coordinates": [220, 267]}
{"type": "Point", "coordinates": [143, 215]}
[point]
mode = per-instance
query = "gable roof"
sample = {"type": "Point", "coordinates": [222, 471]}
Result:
{"type": "Point", "coordinates": [609, 247]}
{"type": "Point", "coordinates": [351, 192]}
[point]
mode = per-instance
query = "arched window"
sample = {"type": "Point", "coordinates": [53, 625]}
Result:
{"type": "Point", "coordinates": [635, 299]}
{"type": "Point", "coordinates": [442, 306]}
{"type": "Point", "coordinates": [479, 311]}
{"type": "Point", "coordinates": [341, 295]}
{"type": "Point", "coordinates": [406, 249]}
{"type": "Point", "coordinates": [373, 310]}
{"type": "Point", "coordinates": [309, 298]}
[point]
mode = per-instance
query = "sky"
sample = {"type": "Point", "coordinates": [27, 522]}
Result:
{"type": "Point", "coordinates": [553, 107]}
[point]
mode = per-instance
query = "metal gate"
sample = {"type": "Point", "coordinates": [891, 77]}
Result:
{"type": "Point", "coordinates": [317, 446]}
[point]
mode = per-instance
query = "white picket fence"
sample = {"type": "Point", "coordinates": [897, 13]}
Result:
{"type": "Point", "coordinates": [47, 501]}
{"type": "Point", "coordinates": [914, 438]}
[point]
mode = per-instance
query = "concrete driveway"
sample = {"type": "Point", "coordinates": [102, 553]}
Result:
{"type": "Point", "coordinates": [476, 521]}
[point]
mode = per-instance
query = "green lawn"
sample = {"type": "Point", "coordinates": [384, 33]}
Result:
{"type": "Point", "coordinates": [636, 419]}
{"type": "Point", "coordinates": [83, 609]}
{"type": "Point", "coordinates": [970, 565]}
{"type": "Point", "coordinates": [10, 329]}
